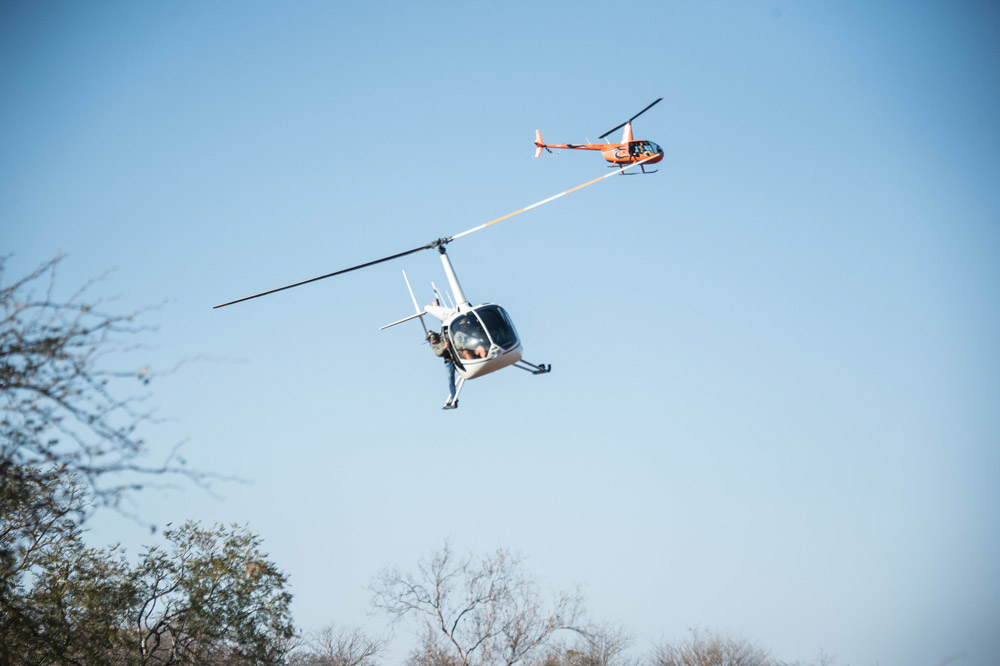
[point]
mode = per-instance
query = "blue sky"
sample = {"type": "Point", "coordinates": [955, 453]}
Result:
{"type": "Point", "coordinates": [773, 403]}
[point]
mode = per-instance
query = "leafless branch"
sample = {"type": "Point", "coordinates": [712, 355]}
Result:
{"type": "Point", "coordinates": [488, 611]}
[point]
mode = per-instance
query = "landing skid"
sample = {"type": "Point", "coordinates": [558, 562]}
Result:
{"type": "Point", "coordinates": [532, 368]}
{"type": "Point", "coordinates": [522, 364]}
{"type": "Point", "coordinates": [634, 173]}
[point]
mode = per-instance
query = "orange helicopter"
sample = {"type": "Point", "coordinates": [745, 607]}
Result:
{"type": "Point", "coordinates": [628, 151]}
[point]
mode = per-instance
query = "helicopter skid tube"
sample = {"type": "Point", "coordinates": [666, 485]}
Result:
{"type": "Point", "coordinates": [532, 368]}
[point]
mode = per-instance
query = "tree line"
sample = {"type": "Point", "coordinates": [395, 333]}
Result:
{"type": "Point", "coordinates": [209, 595]}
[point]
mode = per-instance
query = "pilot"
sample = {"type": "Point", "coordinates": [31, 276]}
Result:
{"type": "Point", "coordinates": [440, 347]}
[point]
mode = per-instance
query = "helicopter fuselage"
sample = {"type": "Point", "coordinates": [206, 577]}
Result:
{"type": "Point", "coordinates": [628, 151]}
{"type": "Point", "coordinates": [482, 340]}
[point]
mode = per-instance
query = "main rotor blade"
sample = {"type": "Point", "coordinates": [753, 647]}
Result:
{"type": "Point", "coordinates": [545, 201]}
{"type": "Point", "coordinates": [328, 275]}
{"type": "Point", "coordinates": [612, 130]}
{"type": "Point", "coordinates": [660, 99]}
{"type": "Point", "coordinates": [438, 242]}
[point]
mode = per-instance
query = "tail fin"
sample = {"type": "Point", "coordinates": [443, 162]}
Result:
{"type": "Point", "coordinates": [539, 144]}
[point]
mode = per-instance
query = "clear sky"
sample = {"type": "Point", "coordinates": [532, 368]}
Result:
{"type": "Point", "coordinates": [773, 408]}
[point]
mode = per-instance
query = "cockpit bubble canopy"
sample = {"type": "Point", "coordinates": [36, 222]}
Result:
{"type": "Point", "coordinates": [474, 332]}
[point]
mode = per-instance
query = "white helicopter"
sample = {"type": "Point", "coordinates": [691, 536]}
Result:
{"type": "Point", "coordinates": [482, 338]}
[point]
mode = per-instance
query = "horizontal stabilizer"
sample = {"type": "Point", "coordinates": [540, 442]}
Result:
{"type": "Point", "coordinates": [413, 316]}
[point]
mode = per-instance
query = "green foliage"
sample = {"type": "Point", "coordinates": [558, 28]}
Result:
{"type": "Point", "coordinates": [61, 601]}
{"type": "Point", "coordinates": [213, 595]}
{"type": "Point", "coordinates": [207, 596]}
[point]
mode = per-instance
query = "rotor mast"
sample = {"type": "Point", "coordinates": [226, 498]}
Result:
{"type": "Point", "coordinates": [461, 302]}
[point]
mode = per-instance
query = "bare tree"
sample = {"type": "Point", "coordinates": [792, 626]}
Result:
{"type": "Point", "coordinates": [61, 404]}
{"type": "Point", "coordinates": [333, 646]}
{"type": "Point", "coordinates": [432, 651]}
{"type": "Point", "coordinates": [595, 646]}
{"type": "Point", "coordinates": [484, 612]}
{"type": "Point", "coordinates": [712, 650]}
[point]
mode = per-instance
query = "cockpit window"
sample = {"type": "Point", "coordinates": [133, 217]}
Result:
{"type": "Point", "coordinates": [499, 325]}
{"type": "Point", "coordinates": [644, 149]}
{"type": "Point", "coordinates": [468, 338]}
{"type": "Point", "coordinates": [473, 333]}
